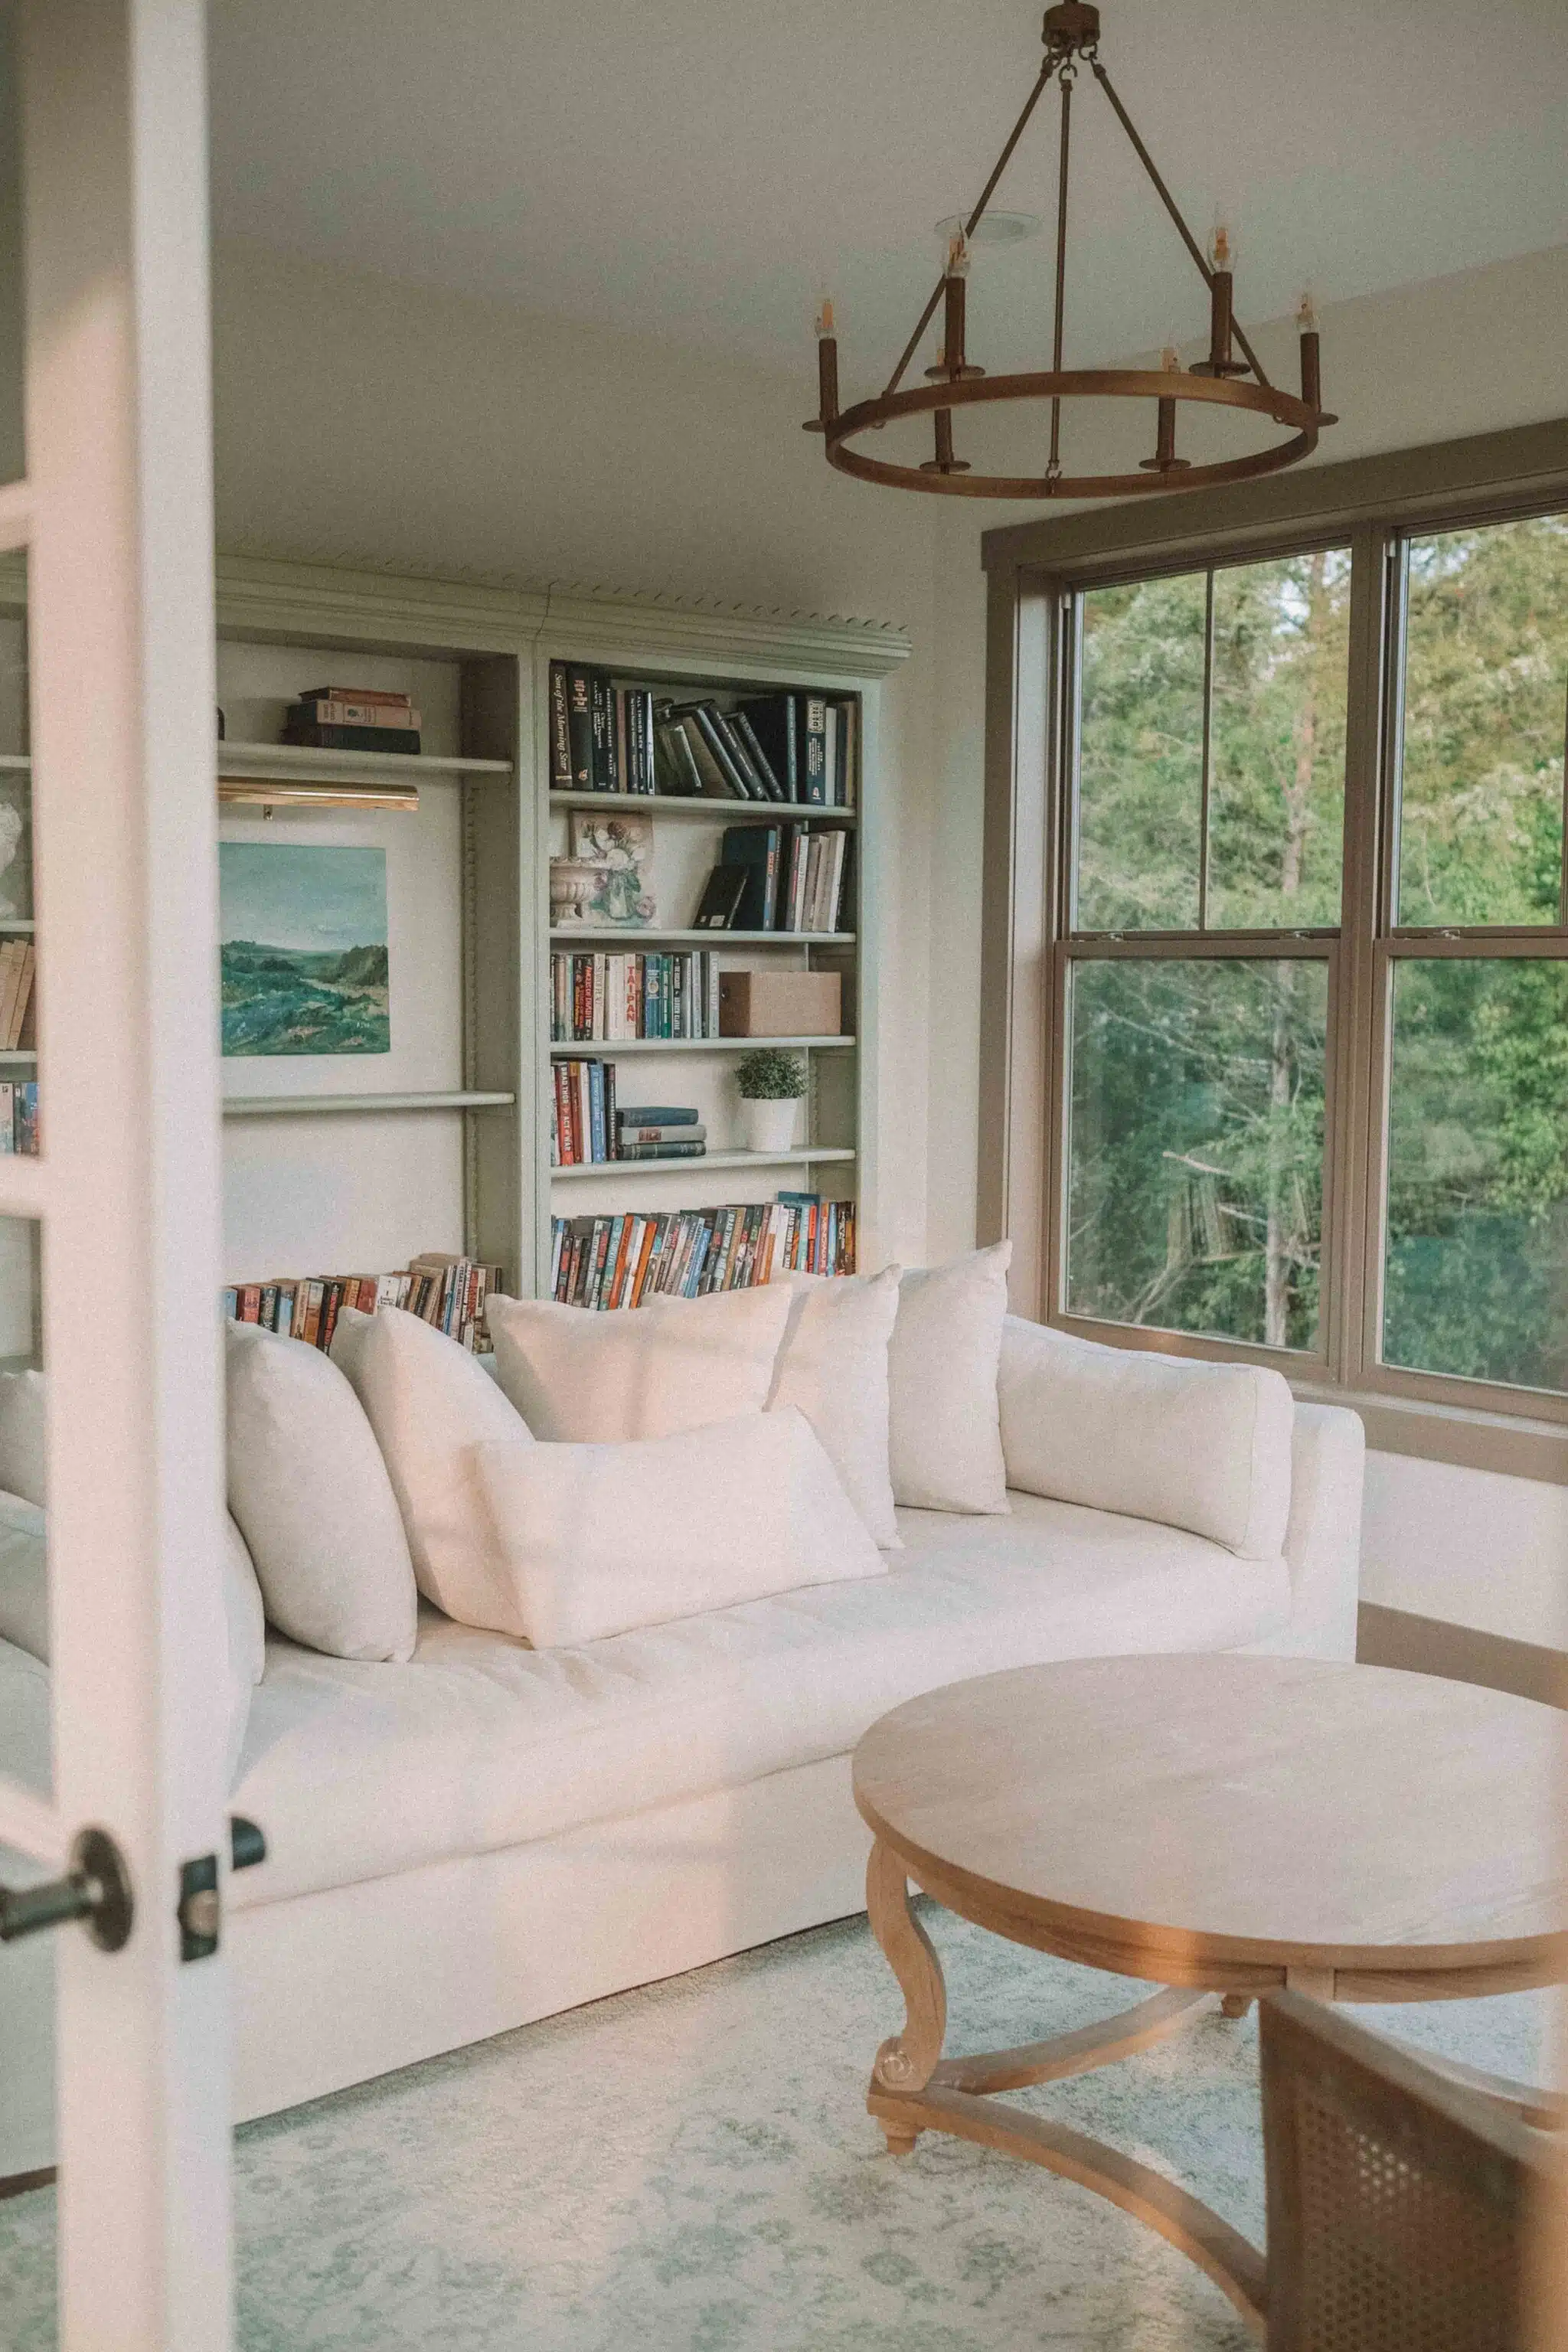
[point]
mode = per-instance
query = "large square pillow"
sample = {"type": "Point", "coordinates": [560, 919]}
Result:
{"type": "Point", "coordinates": [431, 1407]}
{"type": "Point", "coordinates": [832, 1365]}
{"type": "Point", "coordinates": [944, 1436]}
{"type": "Point", "coordinates": [579, 1377]}
{"type": "Point", "coordinates": [308, 1487]}
{"type": "Point", "coordinates": [600, 1538]}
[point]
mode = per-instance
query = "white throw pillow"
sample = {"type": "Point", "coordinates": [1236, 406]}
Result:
{"type": "Point", "coordinates": [579, 1377]}
{"type": "Point", "coordinates": [431, 1407]}
{"type": "Point", "coordinates": [832, 1365]}
{"type": "Point", "coordinates": [24, 1612]}
{"type": "Point", "coordinates": [308, 1487]}
{"type": "Point", "coordinates": [600, 1538]}
{"type": "Point", "coordinates": [944, 1437]}
{"type": "Point", "coordinates": [23, 1453]}
{"type": "Point", "coordinates": [1204, 1446]}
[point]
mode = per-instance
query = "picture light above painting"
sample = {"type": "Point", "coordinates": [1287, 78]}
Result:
{"type": "Point", "coordinates": [303, 949]}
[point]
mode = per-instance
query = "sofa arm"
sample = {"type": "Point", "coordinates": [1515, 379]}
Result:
{"type": "Point", "coordinates": [1322, 1536]}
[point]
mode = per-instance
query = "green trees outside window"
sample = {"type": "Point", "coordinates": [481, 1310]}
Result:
{"type": "Point", "coordinates": [1205, 812]}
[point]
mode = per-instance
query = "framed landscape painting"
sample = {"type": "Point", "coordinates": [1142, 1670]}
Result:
{"type": "Point", "coordinates": [303, 954]}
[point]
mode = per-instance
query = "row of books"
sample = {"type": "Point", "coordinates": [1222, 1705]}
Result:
{"type": "Point", "coordinates": [18, 965]}
{"type": "Point", "coordinates": [586, 1128]}
{"type": "Point", "coordinates": [19, 1118]}
{"type": "Point", "coordinates": [787, 747]}
{"type": "Point", "coordinates": [795, 879]}
{"type": "Point", "coordinates": [606, 999]}
{"type": "Point", "coordinates": [449, 1292]}
{"type": "Point", "coordinates": [353, 719]}
{"type": "Point", "coordinates": [620, 1261]}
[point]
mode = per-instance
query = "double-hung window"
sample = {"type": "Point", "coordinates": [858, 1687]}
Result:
{"type": "Point", "coordinates": [1306, 952]}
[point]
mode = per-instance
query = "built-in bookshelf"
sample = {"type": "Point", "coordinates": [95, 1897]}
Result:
{"type": "Point", "coordinates": [442, 1143]}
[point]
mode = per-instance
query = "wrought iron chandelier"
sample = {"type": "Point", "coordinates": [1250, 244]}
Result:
{"type": "Point", "coordinates": [1071, 35]}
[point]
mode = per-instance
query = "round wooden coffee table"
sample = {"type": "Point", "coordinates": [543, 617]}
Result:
{"type": "Point", "coordinates": [1215, 1825]}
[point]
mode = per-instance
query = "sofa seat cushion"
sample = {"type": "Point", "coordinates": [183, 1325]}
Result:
{"type": "Point", "coordinates": [357, 1770]}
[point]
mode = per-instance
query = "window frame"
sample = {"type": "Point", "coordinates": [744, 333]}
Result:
{"type": "Point", "coordinates": [1037, 571]}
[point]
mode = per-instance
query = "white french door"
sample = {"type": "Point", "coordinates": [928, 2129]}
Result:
{"type": "Point", "coordinates": [115, 516]}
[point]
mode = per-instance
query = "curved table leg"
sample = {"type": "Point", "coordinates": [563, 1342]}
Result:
{"type": "Point", "coordinates": [914, 2089]}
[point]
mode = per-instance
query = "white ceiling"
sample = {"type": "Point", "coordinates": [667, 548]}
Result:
{"type": "Point", "coordinates": [701, 169]}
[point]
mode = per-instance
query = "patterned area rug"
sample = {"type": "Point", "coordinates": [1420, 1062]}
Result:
{"type": "Point", "coordinates": [690, 2169]}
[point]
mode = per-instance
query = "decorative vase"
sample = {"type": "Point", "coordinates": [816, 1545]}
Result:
{"type": "Point", "coordinates": [769, 1124]}
{"type": "Point", "coordinates": [572, 885]}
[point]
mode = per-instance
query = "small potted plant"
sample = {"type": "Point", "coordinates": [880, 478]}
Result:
{"type": "Point", "coordinates": [770, 1083]}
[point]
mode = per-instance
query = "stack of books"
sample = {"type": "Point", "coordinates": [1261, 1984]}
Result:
{"type": "Point", "coordinates": [447, 1292]}
{"type": "Point", "coordinates": [796, 876]}
{"type": "Point", "coordinates": [353, 719]}
{"type": "Point", "coordinates": [581, 1113]}
{"type": "Point", "coordinates": [18, 963]}
{"type": "Point", "coordinates": [19, 1118]}
{"type": "Point", "coordinates": [600, 999]}
{"type": "Point", "coordinates": [620, 1261]}
{"type": "Point", "coordinates": [610, 737]}
{"type": "Point", "coordinates": [660, 1131]}
{"type": "Point", "coordinates": [601, 734]}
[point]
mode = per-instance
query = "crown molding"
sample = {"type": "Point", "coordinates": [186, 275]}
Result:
{"type": "Point", "coordinates": [262, 596]}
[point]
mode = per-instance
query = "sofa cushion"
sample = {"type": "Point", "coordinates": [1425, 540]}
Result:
{"type": "Point", "coordinates": [579, 1377]}
{"type": "Point", "coordinates": [432, 1406]}
{"type": "Point", "coordinates": [1198, 1446]}
{"type": "Point", "coordinates": [944, 1444]}
{"type": "Point", "coordinates": [833, 1364]}
{"type": "Point", "coordinates": [598, 1539]}
{"type": "Point", "coordinates": [481, 1743]}
{"type": "Point", "coordinates": [310, 1490]}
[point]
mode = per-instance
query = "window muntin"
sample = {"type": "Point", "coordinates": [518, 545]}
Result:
{"type": "Point", "coordinates": [1475, 1230]}
{"type": "Point", "coordinates": [1195, 1151]}
{"type": "Point", "coordinates": [1485, 694]}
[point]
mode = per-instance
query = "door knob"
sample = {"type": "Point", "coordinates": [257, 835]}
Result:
{"type": "Point", "coordinates": [96, 1890]}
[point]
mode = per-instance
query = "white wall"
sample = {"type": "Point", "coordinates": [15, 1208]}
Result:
{"type": "Point", "coordinates": [359, 422]}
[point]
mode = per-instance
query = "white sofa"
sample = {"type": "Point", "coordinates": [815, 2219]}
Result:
{"type": "Point", "coordinates": [489, 1833]}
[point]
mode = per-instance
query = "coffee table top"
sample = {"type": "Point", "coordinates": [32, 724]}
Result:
{"type": "Point", "coordinates": [1158, 1814]}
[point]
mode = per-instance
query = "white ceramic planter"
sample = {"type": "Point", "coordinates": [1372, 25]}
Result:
{"type": "Point", "coordinates": [768, 1126]}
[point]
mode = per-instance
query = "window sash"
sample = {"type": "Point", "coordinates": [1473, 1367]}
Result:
{"type": "Point", "coordinates": [1362, 954]}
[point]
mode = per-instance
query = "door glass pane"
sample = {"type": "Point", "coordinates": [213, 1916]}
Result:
{"type": "Point", "coordinates": [1476, 1269]}
{"type": "Point", "coordinates": [1276, 792]}
{"type": "Point", "coordinates": [1140, 756]}
{"type": "Point", "coordinates": [1486, 684]}
{"type": "Point", "coordinates": [1195, 1151]}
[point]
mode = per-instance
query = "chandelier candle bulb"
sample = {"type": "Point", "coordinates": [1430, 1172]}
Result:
{"type": "Point", "coordinates": [826, 369]}
{"type": "Point", "coordinates": [1312, 381]}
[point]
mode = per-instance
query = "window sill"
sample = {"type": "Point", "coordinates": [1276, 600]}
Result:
{"type": "Point", "coordinates": [1505, 1442]}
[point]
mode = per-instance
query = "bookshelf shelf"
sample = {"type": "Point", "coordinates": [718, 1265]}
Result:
{"type": "Point", "coordinates": [627, 937]}
{"type": "Point", "coordinates": [308, 1106]}
{"type": "Point", "coordinates": [283, 760]}
{"type": "Point", "coordinates": [731, 812]}
{"type": "Point", "coordinates": [16, 923]}
{"type": "Point", "coordinates": [634, 1170]}
{"type": "Point", "coordinates": [599, 1048]}
{"type": "Point", "coordinates": [20, 1054]}
{"type": "Point", "coordinates": [15, 761]}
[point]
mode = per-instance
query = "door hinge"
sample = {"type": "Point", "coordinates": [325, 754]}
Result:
{"type": "Point", "coordinates": [96, 1890]}
{"type": "Point", "coordinates": [200, 1912]}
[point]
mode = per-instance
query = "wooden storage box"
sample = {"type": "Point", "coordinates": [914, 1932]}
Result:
{"type": "Point", "coordinates": [780, 1003]}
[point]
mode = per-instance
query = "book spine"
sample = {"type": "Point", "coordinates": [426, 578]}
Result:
{"type": "Point", "coordinates": [580, 726]}
{"type": "Point", "coordinates": [763, 765]}
{"type": "Point", "coordinates": [381, 696]}
{"type": "Point", "coordinates": [662, 1151]}
{"type": "Point", "coordinates": [339, 713]}
{"type": "Point", "coordinates": [559, 732]}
